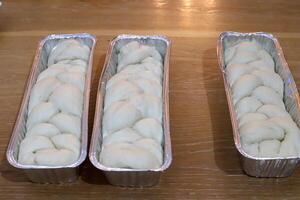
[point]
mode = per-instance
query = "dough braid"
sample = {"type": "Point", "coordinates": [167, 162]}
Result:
{"type": "Point", "coordinates": [132, 121]}
{"type": "Point", "coordinates": [55, 108]}
{"type": "Point", "coordinates": [266, 128]}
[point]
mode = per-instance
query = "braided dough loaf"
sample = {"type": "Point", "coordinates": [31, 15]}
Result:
{"type": "Point", "coordinates": [132, 121]}
{"type": "Point", "coordinates": [266, 128]}
{"type": "Point", "coordinates": [55, 108]}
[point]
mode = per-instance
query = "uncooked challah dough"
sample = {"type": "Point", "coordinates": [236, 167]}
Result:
{"type": "Point", "coordinates": [55, 108]}
{"type": "Point", "coordinates": [132, 121]}
{"type": "Point", "coordinates": [266, 128]}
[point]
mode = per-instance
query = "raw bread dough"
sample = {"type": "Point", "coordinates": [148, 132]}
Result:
{"type": "Point", "coordinates": [266, 129]}
{"type": "Point", "coordinates": [132, 121]}
{"type": "Point", "coordinates": [55, 108]}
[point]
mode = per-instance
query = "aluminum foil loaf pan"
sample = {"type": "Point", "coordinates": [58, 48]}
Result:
{"type": "Point", "coordinates": [257, 166]}
{"type": "Point", "coordinates": [51, 174]}
{"type": "Point", "coordinates": [122, 176]}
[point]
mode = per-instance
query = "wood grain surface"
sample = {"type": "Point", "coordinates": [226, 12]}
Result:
{"type": "Point", "coordinates": [205, 162]}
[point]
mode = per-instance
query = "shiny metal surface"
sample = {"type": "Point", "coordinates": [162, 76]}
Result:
{"type": "Point", "coordinates": [121, 176]}
{"type": "Point", "coordinates": [40, 173]}
{"type": "Point", "coordinates": [254, 166]}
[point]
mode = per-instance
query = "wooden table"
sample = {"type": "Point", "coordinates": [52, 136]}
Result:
{"type": "Point", "coordinates": [205, 162]}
